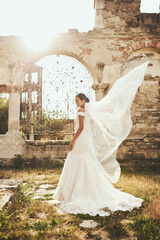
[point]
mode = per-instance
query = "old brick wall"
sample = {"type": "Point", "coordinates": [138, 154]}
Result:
{"type": "Point", "coordinates": [135, 39]}
{"type": "Point", "coordinates": [125, 13]}
{"type": "Point", "coordinates": [40, 150]}
{"type": "Point", "coordinates": [120, 41]}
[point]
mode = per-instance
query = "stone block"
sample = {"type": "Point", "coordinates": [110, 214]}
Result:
{"type": "Point", "coordinates": [136, 136]}
{"type": "Point", "coordinates": [99, 22]}
{"type": "Point", "coordinates": [150, 89]}
{"type": "Point", "coordinates": [48, 147]}
{"type": "Point", "coordinates": [100, 4]}
{"type": "Point", "coordinates": [7, 188]}
{"type": "Point", "coordinates": [4, 199]}
{"type": "Point", "coordinates": [88, 224]}
{"type": "Point", "coordinates": [137, 114]}
{"type": "Point", "coordinates": [141, 125]}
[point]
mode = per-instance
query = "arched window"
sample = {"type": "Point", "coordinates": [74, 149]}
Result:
{"type": "Point", "coordinates": [62, 78]}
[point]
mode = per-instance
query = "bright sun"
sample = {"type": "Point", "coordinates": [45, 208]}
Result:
{"type": "Point", "coordinates": [37, 42]}
{"type": "Point", "coordinates": [40, 20]}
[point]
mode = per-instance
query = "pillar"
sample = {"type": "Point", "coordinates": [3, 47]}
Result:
{"type": "Point", "coordinates": [100, 90]}
{"type": "Point", "coordinates": [14, 111]}
{"type": "Point", "coordinates": [16, 77]}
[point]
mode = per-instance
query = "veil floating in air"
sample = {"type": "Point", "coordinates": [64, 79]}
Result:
{"type": "Point", "coordinates": [108, 121]}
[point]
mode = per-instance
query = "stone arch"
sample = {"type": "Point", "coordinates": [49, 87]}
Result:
{"type": "Point", "coordinates": [66, 53]}
{"type": "Point", "coordinates": [140, 44]}
{"type": "Point", "coordinates": [135, 58]}
{"type": "Point", "coordinates": [33, 65]}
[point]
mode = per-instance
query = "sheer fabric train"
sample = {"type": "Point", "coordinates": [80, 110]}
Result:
{"type": "Point", "coordinates": [91, 168]}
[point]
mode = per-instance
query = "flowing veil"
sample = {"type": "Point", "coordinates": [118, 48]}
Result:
{"type": "Point", "coordinates": [108, 121]}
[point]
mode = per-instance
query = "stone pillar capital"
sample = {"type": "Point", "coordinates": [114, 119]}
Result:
{"type": "Point", "coordinates": [12, 78]}
{"type": "Point", "coordinates": [100, 89]}
{"type": "Point", "coordinates": [14, 88]}
{"type": "Point", "coordinates": [17, 75]}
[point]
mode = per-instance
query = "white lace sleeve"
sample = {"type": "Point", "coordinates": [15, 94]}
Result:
{"type": "Point", "coordinates": [81, 114]}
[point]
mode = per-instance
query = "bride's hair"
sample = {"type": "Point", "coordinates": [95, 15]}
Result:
{"type": "Point", "coordinates": [82, 96]}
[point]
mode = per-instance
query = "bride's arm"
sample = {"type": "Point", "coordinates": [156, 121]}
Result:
{"type": "Point", "coordinates": [80, 129]}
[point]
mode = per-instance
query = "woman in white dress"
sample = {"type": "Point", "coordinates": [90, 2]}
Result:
{"type": "Point", "coordinates": [91, 167]}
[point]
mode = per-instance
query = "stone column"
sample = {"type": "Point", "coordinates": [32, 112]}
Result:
{"type": "Point", "coordinates": [15, 86]}
{"type": "Point", "coordinates": [13, 143]}
{"type": "Point", "coordinates": [100, 89]}
{"type": "Point", "coordinates": [14, 111]}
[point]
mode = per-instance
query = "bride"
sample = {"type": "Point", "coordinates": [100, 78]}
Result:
{"type": "Point", "coordinates": [91, 167]}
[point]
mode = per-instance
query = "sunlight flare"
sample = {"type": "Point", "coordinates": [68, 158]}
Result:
{"type": "Point", "coordinates": [37, 42]}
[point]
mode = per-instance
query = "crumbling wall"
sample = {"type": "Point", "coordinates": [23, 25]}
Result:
{"type": "Point", "coordinates": [122, 39]}
{"type": "Point", "coordinates": [117, 14]}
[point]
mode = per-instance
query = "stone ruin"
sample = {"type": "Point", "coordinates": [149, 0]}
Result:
{"type": "Point", "coordinates": [122, 39]}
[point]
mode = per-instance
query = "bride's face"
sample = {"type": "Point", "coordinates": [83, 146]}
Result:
{"type": "Point", "coordinates": [79, 102]}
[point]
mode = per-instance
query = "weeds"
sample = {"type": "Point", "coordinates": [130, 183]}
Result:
{"type": "Point", "coordinates": [23, 195]}
{"type": "Point", "coordinates": [41, 227]}
{"type": "Point", "coordinates": [111, 224]}
{"type": "Point", "coordinates": [54, 221]}
{"type": "Point", "coordinates": [10, 225]}
{"type": "Point", "coordinates": [145, 227]}
{"type": "Point", "coordinates": [26, 219]}
{"type": "Point", "coordinates": [140, 166]}
{"type": "Point", "coordinates": [31, 212]}
{"type": "Point", "coordinates": [4, 219]}
{"type": "Point", "coordinates": [18, 162]}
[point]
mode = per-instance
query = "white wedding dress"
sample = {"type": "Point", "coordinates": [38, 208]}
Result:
{"type": "Point", "coordinates": [91, 168]}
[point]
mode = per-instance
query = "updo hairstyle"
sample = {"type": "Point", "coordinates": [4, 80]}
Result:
{"type": "Point", "coordinates": [82, 96]}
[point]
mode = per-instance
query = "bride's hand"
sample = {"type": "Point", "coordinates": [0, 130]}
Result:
{"type": "Point", "coordinates": [71, 145]}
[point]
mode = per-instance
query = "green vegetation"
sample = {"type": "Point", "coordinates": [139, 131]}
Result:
{"type": "Point", "coordinates": [145, 227]}
{"type": "Point", "coordinates": [29, 219]}
{"type": "Point", "coordinates": [139, 165]}
{"type": "Point", "coordinates": [44, 126]}
{"type": "Point", "coordinates": [3, 115]}
{"type": "Point", "coordinates": [19, 163]}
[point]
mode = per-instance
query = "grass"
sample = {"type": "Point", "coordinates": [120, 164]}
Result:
{"type": "Point", "coordinates": [32, 175]}
{"type": "Point", "coordinates": [27, 219]}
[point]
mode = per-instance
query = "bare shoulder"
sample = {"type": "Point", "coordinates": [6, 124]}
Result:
{"type": "Point", "coordinates": [81, 110]}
